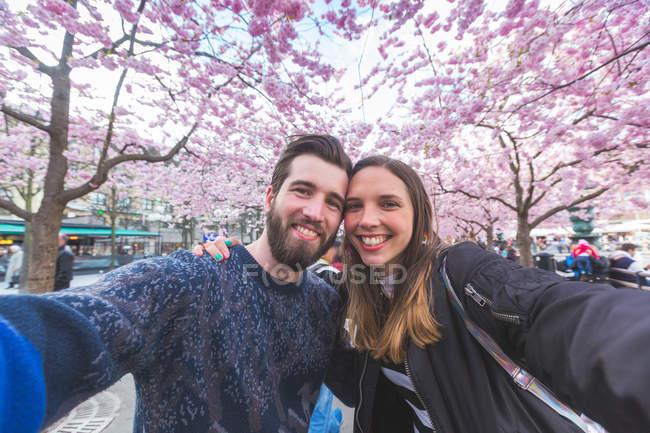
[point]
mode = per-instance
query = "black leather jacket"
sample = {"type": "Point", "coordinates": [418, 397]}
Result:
{"type": "Point", "coordinates": [587, 342]}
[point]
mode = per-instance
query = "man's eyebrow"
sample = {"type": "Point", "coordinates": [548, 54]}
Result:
{"type": "Point", "coordinates": [306, 183]}
{"type": "Point", "coordinates": [303, 183]}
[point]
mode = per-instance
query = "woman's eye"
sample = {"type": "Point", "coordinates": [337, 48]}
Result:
{"type": "Point", "coordinates": [390, 204]}
{"type": "Point", "coordinates": [352, 206]}
{"type": "Point", "coordinates": [301, 191]}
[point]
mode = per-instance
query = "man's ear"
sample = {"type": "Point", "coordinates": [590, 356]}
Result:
{"type": "Point", "coordinates": [268, 199]}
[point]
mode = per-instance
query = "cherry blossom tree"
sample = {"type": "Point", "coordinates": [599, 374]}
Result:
{"type": "Point", "coordinates": [107, 83]}
{"type": "Point", "coordinates": [538, 108]}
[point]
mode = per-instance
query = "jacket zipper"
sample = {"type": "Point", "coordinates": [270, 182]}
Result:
{"type": "Point", "coordinates": [358, 409]}
{"type": "Point", "coordinates": [483, 300]}
{"type": "Point", "coordinates": [408, 374]}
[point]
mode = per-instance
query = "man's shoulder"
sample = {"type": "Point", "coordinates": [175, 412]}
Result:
{"type": "Point", "coordinates": [206, 265]}
{"type": "Point", "coordinates": [324, 282]}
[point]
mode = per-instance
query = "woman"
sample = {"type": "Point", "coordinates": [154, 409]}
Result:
{"type": "Point", "coordinates": [415, 365]}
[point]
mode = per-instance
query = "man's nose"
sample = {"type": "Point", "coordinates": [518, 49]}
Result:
{"type": "Point", "coordinates": [315, 209]}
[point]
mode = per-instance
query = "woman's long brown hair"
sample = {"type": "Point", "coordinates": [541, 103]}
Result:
{"type": "Point", "coordinates": [383, 326]}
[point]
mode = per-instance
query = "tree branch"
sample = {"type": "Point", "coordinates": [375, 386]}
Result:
{"type": "Point", "coordinates": [101, 175]}
{"type": "Point", "coordinates": [25, 52]}
{"type": "Point", "coordinates": [575, 162]}
{"type": "Point", "coordinates": [19, 212]}
{"type": "Point", "coordinates": [560, 208]}
{"type": "Point", "coordinates": [26, 118]}
{"type": "Point", "coordinates": [474, 197]}
{"type": "Point", "coordinates": [603, 116]}
{"type": "Point", "coordinates": [583, 76]}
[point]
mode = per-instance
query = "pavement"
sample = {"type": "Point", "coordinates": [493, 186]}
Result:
{"type": "Point", "coordinates": [112, 411]}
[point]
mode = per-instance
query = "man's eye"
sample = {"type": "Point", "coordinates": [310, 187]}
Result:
{"type": "Point", "coordinates": [352, 206]}
{"type": "Point", "coordinates": [334, 204]}
{"type": "Point", "coordinates": [302, 191]}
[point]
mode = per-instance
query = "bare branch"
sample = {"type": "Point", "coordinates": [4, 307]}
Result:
{"type": "Point", "coordinates": [19, 212]}
{"type": "Point", "coordinates": [541, 196]}
{"type": "Point", "coordinates": [603, 116]}
{"type": "Point", "coordinates": [26, 118]}
{"type": "Point", "coordinates": [583, 76]}
{"type": "Point", "coordinates": [106, 51]}
{"type": "Point", "coordinates": [575, 162]}
{"type": "Point", "coordinates": [560, 208]}
{"type": "Point", "coordinates": [473, 196]}
{"type": "Point", "coordinates": [101, 175]}
{"type": "Point", "coordinates": [25, 52]}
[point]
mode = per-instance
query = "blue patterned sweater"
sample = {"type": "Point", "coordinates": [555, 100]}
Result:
{"type": "Point", "coordinates": [213, 347]}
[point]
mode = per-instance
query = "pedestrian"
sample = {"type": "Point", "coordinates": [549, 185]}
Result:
{"type": "Point", "coordinates": [12, 276]}
{"type": "Point", "coordinates": [623, 258]}
{"type": "Point", "coordinates": [435, 329]}
{"type": "Point", "coordinates": [64, 265]}
{"type": "Point", "coordinates": [585, 256]}
{"type": "Point", "coordinates": [327, 267]}
{"type": "Point", "coordinates": [236, 346]}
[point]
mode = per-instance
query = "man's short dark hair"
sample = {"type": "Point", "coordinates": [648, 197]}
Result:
{"type": "Point", "coordinates": [628, 247]}
{"type": "Point", "coordinates": [326, 147]}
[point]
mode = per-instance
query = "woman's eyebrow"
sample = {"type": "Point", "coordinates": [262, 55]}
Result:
{"type": "Point", "coordinates": [390, 196]}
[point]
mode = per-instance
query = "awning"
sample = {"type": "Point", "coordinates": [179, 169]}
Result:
{"type": "Point", "coordinates": [83, 231]}
{"type": "Point", "coordinates": [10, 229]}
{"type": "Point", "coordinates": [134, 233]}
{"type": "Point", "coordinates": [14, 229]}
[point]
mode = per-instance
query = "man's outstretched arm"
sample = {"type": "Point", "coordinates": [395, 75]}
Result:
{"type": "Point", "coordinates": [89, 337]}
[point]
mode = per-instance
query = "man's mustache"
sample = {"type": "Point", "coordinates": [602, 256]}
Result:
{"type": "Point", "coordinates": [316, 226]}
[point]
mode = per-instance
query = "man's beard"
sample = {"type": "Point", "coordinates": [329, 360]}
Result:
{"type": "Point", "coordinates": [297, 255]}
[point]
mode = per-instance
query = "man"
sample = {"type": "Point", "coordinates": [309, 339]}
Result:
{"type": "Point", "coordinates": [12, 276]}
{"type": "Point", "coordinates": [236, 346]}
{"type": "Point", "coordinates": [623, 258]}
{"type": "Point", "coordinates": [64, 262]}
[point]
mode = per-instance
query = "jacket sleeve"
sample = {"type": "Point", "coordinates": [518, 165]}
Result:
{"type": "Point", "coordinates": [22, 389]}
{"type": "Point", "coordinates": [588, 342]}
{"type": "Point", "coordinates": [591, 345]}
{"type": "Point", "coordinates": [89, 337]}
{"type": "Point", "coordinates": [341, 377]}
{"type": "Point", "coordinates": [343, 369]}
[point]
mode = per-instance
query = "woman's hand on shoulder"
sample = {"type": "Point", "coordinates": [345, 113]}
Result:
{"type": "Point", "coordinates": [218, 248]}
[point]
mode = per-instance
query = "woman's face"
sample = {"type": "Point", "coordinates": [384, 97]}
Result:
{"type": "Point", "coordinates": [378, 216]}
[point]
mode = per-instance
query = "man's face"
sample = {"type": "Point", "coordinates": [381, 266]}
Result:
{"type": "Point", "coordinates": [61, 241]}
{"type": "Point", "coordinates": [303, 217]}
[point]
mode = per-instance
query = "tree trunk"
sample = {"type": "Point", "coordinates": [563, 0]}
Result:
{"type": "Point", "coordinates": [46, 223]}
{"type": "Point", "coordinates": [44, 248]}
{"type": "Point", "coordinates": [489, 238]}
{"type": "Point", "coordinates": [27, 247]}
{"type": "Point", "coordinates": [112, 214]}
{"type": "Point", "coordinates": [523, 241]}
